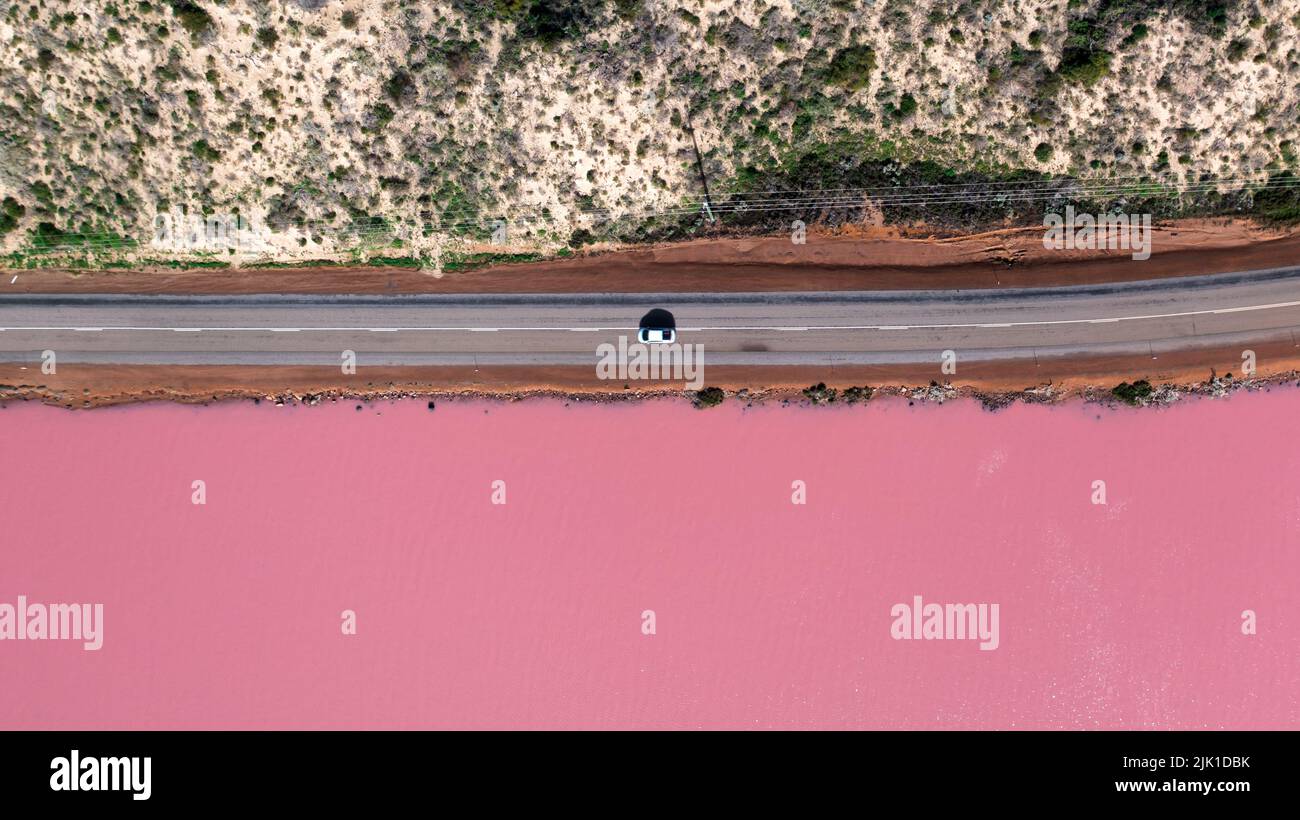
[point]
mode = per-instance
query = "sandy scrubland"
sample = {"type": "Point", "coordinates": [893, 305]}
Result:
{"type": "Point", "coordinates": [347, 128]}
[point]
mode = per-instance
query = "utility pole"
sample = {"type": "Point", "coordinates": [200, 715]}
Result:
{"type": "Point", "coordinates": [699, 164]}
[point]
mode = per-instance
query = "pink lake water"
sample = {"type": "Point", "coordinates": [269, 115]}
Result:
{"type": "Point", "coordinates": [767, 613]}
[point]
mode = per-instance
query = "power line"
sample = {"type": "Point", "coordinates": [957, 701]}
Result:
{"type": "Point", "coordinates": [741, 203]}
{"type": "Point", "coordinates": [939, 193]}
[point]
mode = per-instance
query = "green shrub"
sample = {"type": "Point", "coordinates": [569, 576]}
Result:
{"type": "Point", "coordinates": [1134, 393]}
{"type": "Point", "coordinates": [193, 18]}
{"type": "Point", "coordinates": [1087, 70]}
{"type": "Point", "coordinates": [851, 68]}
{"type": "Point", "coordinates": [628, 9]}
{"type": "Point", "coordinates": [398, 85]}
{"type": "Point", "coordinates": [1139, 33]}
{"type": "Point", "coordinates": [204, 151]}
{"type": "Point", "coordinates": [382, 115]}
{"type": "Point", "coordinates": [709, 397]}
{"type": "Point", "coordinates": [1083, 61]}
{"type": "Point", "coordinates": [819, 393]}
{"type": "Point", "coordinates": [1280, 201]}
{"type": "Point", "coordinates": [581, 237]}
{"type": "Point", "coordinates": [547, 21]}
{"type": "Point", "coordinates": [11, 210]}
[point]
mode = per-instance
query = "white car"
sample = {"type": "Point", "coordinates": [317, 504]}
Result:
{"type": "Point", "coordinates": [656, 335]}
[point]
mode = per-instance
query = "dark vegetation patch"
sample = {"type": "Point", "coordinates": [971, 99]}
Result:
{"type": "Point", "coordinates": [1134, 393]}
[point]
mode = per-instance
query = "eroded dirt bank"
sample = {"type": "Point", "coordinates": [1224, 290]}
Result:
{"type": "Point", "coordinates": [1202, 371]}
{"type": "Point", "coordinates": [851, 259]}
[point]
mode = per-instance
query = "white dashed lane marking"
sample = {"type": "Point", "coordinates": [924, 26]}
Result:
{"type": "Point", "coordinates": [746, 328]}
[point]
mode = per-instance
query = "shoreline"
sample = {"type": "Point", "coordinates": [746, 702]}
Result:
{"type": "Point", "coordinates": [1210, 371]}
{"type": "Point", "coordinates": [1164, 395]}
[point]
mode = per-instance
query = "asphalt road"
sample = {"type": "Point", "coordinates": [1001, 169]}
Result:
{"type": "Point", "coordinates": [735, 328]}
